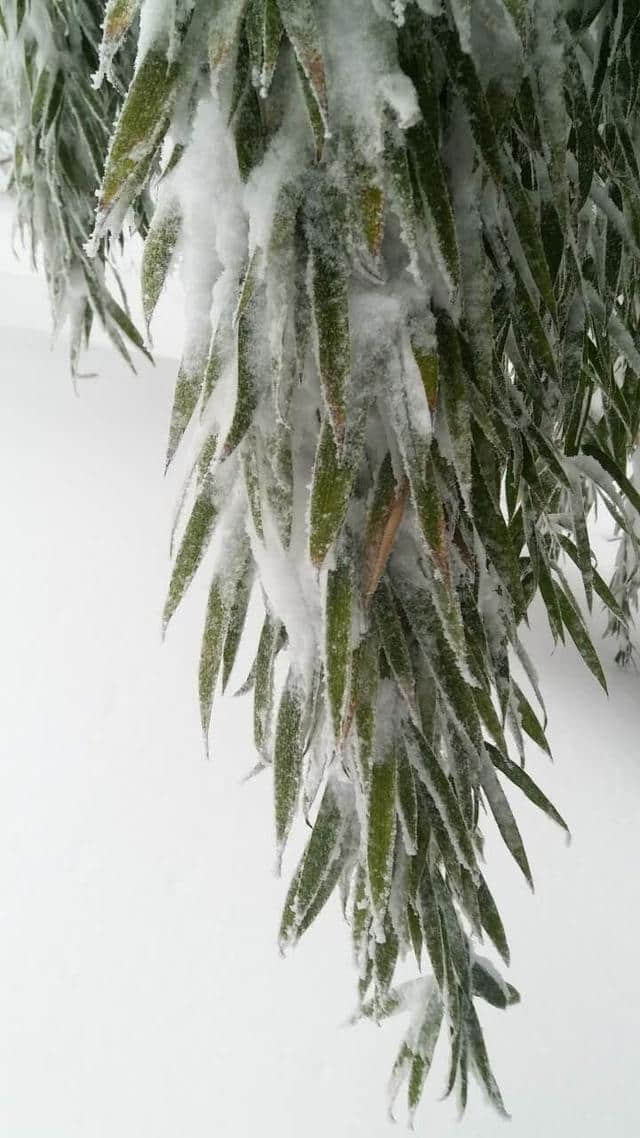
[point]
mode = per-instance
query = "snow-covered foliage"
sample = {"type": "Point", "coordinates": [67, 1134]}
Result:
{"type": "Point", "coordinates": [55, 128]}
{"type": "Point", "coordinates": [409, 234]}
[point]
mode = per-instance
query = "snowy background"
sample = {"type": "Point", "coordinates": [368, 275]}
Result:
{"type": "Point", "coordinates": [141, 990]}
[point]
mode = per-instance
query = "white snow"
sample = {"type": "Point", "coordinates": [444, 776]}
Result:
{"type": "Point", "coordinates": [141, 989]}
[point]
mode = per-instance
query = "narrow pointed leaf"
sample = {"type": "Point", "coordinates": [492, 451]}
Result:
{"type": "Point", "coordinates": [287, 758]}
{"type": "Point", "coordinates": [192, 547]}
{"type": "Point", "coordinates": [159, 250]}
{"type": "Point", "coordinates": [381, 831]}
{"type": "Point", "coordinates": [213, 638]}
{"type": "Point", "coordinates": [331, 488]}
{"type": "Point", "coordinates": [525, 783]}
{"type": "Point", "coordinates": [339, 604]}
{"type": "Point", "coordinates": [504, 818]}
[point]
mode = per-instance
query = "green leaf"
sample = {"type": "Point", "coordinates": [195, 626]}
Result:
{"type": "Point", "coordinates": [333, 477]}
{"type": "Point", "coordinates": [424, 1048]}
{"type": "Point", "coordinates": [185, 400]}
{"type": "Point", "coordinates": [431, 926]}
{"type": "Point", "coordinates": [400, 191]}
{"type": "Point", "coordinates": [213, 638]}
{"type": "Point", "coordinates": [491, 921]}
{"type": "Point", "coordinates": [504, 818]}
{"type": "Point", "coordinates": [464, 75]}
{"type": "Point", "coordinates": [440, 791]}
{"type": "Point", "coordinates": [394, 641]}
{"type": "Point", "coordinates": [369, 205]}
{"type": "Point", "coordinates": [612, 468]}
{"type": "Point", "coordinates": [528, 227]}
{"type": "Point", "coordinates": [577, 630]}
{"type": "Point", "coordinates": [251, 473]}
{"type": "Point", "coordinates": [525, 783]}
{"type": "Point", "coordinates": [237, 618]}
{"type": "Point", "coordinates": [480, 1059]}
{"type": "Point", "coordinates": [548, 591]}
{"type": "Point", "coordinates": [529, 720]}
{"type": "Point", "coordinates": [302, 31]}
{"type": "Point", "coordinates": [159, 250]}
{"type": "Point", "coordinates": [316, 865]}
{"type": "Point", "coordinates": [192, 547]}
{"type": "Point", "coordinates": [551, 111]}
{"type": "Point", "coordinates": [385, 514]}
{"type": "Point", "coordinates": [271, 39]}
{"type": "Point", "coordinates": [263, 693]}
{"type": "Point", "coordinates": [407, 804]}
{"type": "Point", "coordinates": [223, 31]}
{"type": "Point", "coordinates": [118, 17]}
{"type": "Point", "coordinates": [381, 830]}
{"type": "Point", "coordinates": [496, 538]}
{"type": "Point", "coordinates": [600, 585]}
{"type": "Point", "coordinates": [140, 129]}
{"type": "Point", "coordinates": [364, 687]}
{"type": "Point", "coordinates": [490, 986]}
{"type": "Point", "coordinates": [287, 758]}
{"type": "Point", "coordinates": [582, 124]}
{"type": "Point", "coordinates": [455, 401]}
{"type": "Point", "coordinates": [339, 606]}
{"type": "Point", "coordinates": [246, 392]}
{"type": "Point", "coordinates": [436, 198]}
{"type": "Point", "coordinates": [385, 958]}
{"type": "Point", "coordinates": [330, 302]}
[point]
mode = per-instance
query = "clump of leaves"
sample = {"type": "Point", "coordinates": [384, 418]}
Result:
{"type": "Point", "coordinates": [417, 296]}
{"type": "Point", "coordinates": [58, 124]}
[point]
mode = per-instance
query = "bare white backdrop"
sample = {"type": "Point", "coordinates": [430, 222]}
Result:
{"type": "Point", "coordinates": [141, 990]}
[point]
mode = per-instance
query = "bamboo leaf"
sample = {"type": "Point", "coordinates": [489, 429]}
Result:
{"type": "Point", "coordinates": [436, 198]}
{"type": "Point", "coordinates": [425, 1046]}
{"type": "Point", "coordinates": [393, 640]}
{"type": "Point", "coordinates": [480, 1059]}
{"type": "Point", "coordinates": [529, 720]}
{"type": "Point", "coordinates": [491, 987]}
{"type": "Point", "coordinates": [246, 391]}
{"type": "Point", "coordinates": [271, 39]}
{"type": "Point", "coordinates": [504, 818]}
{"type": "Point", "coordinates": [287, 758]}
{"type": "Point", "coordinates": [385, 516]}
{"type": "Point", "coordinates": [213, 638]}
{"type": "Point", "coordinates": [455, 402]}
{"type": "Point", "coordinates": [237, 618]}
{"type": "Point", "coordinates": [333, 477]}
{"type": "Point", "coordinates": [159, 250]}
{"type": "Point", "coordinates": [118, 18]}
{"type": "Point", "coordinates": [315, 868]}
{"type": "Point", "coordinates": [364, 687]}
{"type": "Point", "coordinates": [339, 604]}
{"type": "Point", "coordinates": [140, 128]}
{"type": "Point", "coordinates": [407, 803]}
{"type": "Point", "coordinates": [491, 921]}
{"type": "Point", "coordinates": [440, 791]}
{"type": "Point", "coordinates": [525, 783]}
{"type": "Point", "coordinates": [301, 29]}
{"type": "Point", "coordinates": [431, 926]}
{"type": "Point", "coordinates": [612, 468]}
{"type": "Point", "coordinates": [330, 300]}
{"type": "Point", "coordinates": [185, 400]}
{"type": "Point", "coordinates": [381, 831]}
{"type": "Point", "coordinates": [264, 680]}
{"type": "Point", "coordinates": [192, 547]}
{"type": "Point", "coordinates": [600, 585]}
{"type": "Point", "coordinates": [577, 630]}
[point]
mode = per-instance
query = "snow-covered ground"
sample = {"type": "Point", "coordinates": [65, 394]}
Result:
{"type": "Point", "coordinates": [141, 991]}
